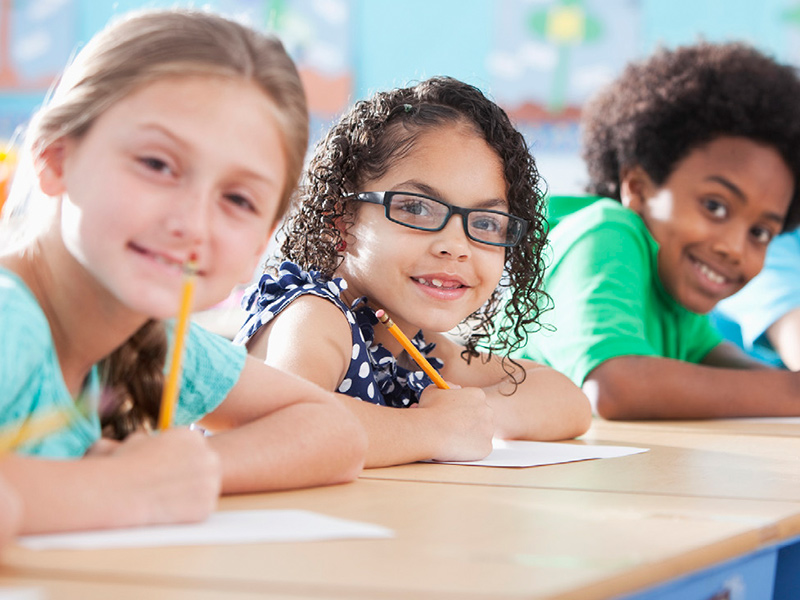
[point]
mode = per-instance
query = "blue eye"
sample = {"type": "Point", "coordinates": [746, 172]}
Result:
{"type": "Point", "coordinates": [414, 207]}
{"type": "Point", "coordinates": [486, 223]}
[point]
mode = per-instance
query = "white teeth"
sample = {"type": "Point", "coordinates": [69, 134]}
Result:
{"type": "Point", "coordinates": [712, 276]}
{"type": "Point", "coordinates": [438, 283]}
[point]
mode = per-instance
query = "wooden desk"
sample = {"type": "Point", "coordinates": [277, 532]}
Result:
{"type": "Point", "coordinates": [465, 541]}
{"type": "Point", "coordinates": [769, 426]}
{"type": "Point", "coordinates": [679, 462]}
{"type": "Point", "coordinates": [66, 587]}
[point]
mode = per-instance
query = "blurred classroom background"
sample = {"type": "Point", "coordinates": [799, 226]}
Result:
{"type": "Point", "coordinates": [539, 59]}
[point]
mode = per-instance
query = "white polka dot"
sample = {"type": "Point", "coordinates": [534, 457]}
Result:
{"type": "Point", "coordinates": [355, 351]}
{"type": "Point", "coordinates": [351, 318]}
{"type": "Point", "coordinates": [371, 391]}
{"type": "Point", "coordinates": [345, 385]}
{"type": "Point", "coordinates": [291, 286]}
{"type": "Point", "coordinates": [363, 371]}
{"type": "Point", "coordinates": [343, 284]}
{"type": "Point", "coordinates": [333, 287]}
{"type": "Point", "coordinates": [266, 316]}
{"type": "Point", "coordinates": [308, 286]}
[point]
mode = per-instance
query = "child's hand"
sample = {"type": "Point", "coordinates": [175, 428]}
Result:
{"type": "Point", "coordinates": [465, 422]}
{"type": "Point", "coordinates": [103, 447]}
{"type": "Point", "coordinates": [174, 476]}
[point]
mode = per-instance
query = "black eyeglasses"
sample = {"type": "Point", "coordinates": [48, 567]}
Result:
{"type": "Point", "coordinates": [418, 211]}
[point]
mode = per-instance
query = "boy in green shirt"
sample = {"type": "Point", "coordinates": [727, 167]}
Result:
{"type": "Point", "coordinates": [694, 158]}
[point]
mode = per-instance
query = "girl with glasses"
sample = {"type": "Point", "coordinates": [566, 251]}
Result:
{"type": "Point", "coordinates": [424, 202]}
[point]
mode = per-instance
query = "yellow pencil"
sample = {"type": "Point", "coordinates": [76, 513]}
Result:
{"type": "Point", "coordinates": [170, 393]}
{"type": "Point", "coordinates": [411, 349]}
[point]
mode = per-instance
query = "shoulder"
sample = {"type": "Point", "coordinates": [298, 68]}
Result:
{"type": "Point", "coordinates": [599, 215]}
{"type": "Point", "coordinates": [316, 316]}
{"type": "Point", "coordinates": [274, 293]}
{"type": "Point", "coordinates": [26, 331]}
{"type": "Point", "coordinates": [602, 233]}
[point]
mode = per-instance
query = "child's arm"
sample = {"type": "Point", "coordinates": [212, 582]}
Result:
{"type": "Point", "coordinates": [545, 406]}
{"type": "Point", "coordinates": [277, 431]}
{"type": "Point", "coordinates": [641, 387]}
{"type": "Point", "coordinates": [311, 338]}
{"type": "Point", "coordinates": [784, 335]}
{"type": "Point", "coordinates": [171, 477]}
{"type": "Point", "coordinates": [10, 512]}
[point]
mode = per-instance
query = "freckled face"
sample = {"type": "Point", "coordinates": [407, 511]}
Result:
{"type": "Point", "coordinates": [713, 217]}
{"type": "Point", "coordinates": [188, 165]}
{"type": "Point", "coordinates": [423, 279]}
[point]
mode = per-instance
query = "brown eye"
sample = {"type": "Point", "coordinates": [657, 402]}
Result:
{"type": "Point", "coordinates": [241, 201]}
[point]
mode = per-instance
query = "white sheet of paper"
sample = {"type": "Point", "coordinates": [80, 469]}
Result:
{"type": "Point", "coordinates": [518, 453]}
{"type": "Point", "coordinates": [224, 527]}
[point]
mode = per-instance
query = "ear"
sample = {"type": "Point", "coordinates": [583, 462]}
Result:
{"type": "Point", "coordinates": [49, 167]}
{"type": "Point", "coordinates": [635, 188]}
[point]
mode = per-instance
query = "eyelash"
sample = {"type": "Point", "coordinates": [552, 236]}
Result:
{"type": "Point", "coordinates": [154, 164]}
{"type": "Point", "coordinates": [242, 201]}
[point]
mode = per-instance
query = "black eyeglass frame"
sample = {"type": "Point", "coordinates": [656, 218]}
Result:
{"type": "Point", "coordinates": [385, 198]}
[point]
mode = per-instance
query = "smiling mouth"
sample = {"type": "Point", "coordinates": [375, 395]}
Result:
{"type": "Point", "coordinates": [438, 283]}
{"type": "Point", "coordinates": [710, 274]}
{"type": "Point", "coordinates": [164, 260]}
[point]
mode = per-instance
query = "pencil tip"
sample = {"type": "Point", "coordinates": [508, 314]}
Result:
{"type": "Point", "coordinates": [190, 266]}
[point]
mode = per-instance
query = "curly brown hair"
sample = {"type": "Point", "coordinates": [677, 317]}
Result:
{"type": "Point", "coordinates": [662, 108]}
{"type": "Point", "coordinates": [376, 132]}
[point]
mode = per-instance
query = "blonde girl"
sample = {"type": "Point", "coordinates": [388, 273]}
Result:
{"type": "Point", "coordinates": [173, 134]}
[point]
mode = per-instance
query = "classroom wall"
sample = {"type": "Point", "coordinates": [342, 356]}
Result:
{"type": "Point", "coordinates": [540, 59]}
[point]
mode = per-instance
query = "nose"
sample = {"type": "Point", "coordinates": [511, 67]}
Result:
{"type": "Point", "coordinates": [452, 240]}
{"type": "Point", "coordinates": [731, 244]}
{"type": "Point", "coordinates": [189, 216]}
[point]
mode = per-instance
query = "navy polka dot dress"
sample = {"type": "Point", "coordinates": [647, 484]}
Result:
{"type": "Point", "coordinates": [373, 374]}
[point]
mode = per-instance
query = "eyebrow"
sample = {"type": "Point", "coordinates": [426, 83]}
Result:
{"type": "Point", "coordinates": [738, 193]}
{"type": "Point", "coordinates": [423, 188]}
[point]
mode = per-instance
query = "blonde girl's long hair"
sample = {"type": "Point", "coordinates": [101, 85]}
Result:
{"type": "Point", "coordinates": [137, 50]}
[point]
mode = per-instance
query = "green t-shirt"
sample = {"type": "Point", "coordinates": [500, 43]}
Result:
{"type": "Point", "coordinates": [31, 384]}
{"type": "Point", "coordinates": [609, 301]}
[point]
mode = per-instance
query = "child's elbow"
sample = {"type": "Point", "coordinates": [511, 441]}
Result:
{"type": "Point", "coordinates": [605, 402]}
{"type": "Point", "coordinates": [351, 450]}
{"type": "Point", "coordinates": [583, 418]}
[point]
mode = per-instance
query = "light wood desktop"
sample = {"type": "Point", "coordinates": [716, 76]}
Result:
{"type": "Point", "coordinates": [771, 426]}
{"type": "Point", "coordinates": [466, 541]}
{"type": "Point", "coordinates": [685, 462]}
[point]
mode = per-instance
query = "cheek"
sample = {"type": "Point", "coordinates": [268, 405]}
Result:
{"type": "Point", "coordinates": [754, 265]}
{"type": "Point", "coordinates": [493, 265]}
{"type": "Point", "coordinates": [240, 253]}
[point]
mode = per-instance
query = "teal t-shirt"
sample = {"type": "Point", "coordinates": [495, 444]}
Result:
{"type": "Point", "coordinates": [31, 384]}
{"type": "Point", "coordinates": [608, 299]}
